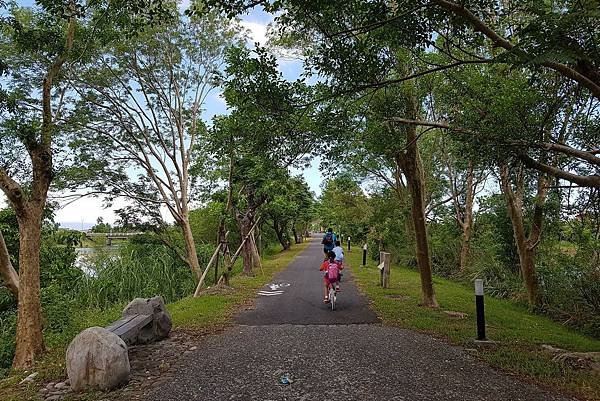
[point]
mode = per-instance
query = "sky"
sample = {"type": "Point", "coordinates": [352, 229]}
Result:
{"type": "Point", "coordinates": [83, 213]}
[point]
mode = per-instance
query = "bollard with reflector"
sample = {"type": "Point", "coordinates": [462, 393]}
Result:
{"type": "Point", "coordinates": [480, 310]}
{"type": "Point", "coordinates": [364, 255]}
{"type": "Point", "coordinates": [348, 243]}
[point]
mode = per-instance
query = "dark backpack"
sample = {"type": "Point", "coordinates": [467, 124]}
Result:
{"type": "Point", "coordinates": [328, 239]}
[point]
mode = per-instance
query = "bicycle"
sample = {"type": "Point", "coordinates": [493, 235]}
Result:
{"type": "Point", "coordinates": [332, 296]}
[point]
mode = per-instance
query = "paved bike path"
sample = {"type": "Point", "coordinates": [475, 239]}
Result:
{"type": "Point", "coordinates": [333, 361]}
{"type": "Point", "coordinates": [295, 296]}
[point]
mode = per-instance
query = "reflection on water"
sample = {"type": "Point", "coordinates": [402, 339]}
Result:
{"type": "Point", "coordinates": [85, 257]}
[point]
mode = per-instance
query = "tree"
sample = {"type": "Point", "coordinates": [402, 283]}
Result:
{"type": "Point", "coordinates": [343, 206]}
{"type": "Point", "coordinates": [343, 40]}
{"type": "Point", "coordinates": [141, 111]}
{"type": "Point", "coordinates": [390, 152]}
{"type": "Point", "coordinates": [505, 113]}
{"type": "Point", "coordinates": [36, 49]}
{"type": "Point", "coordinates": [269, 130]}
{"type": "Point", "coordinates": [33, 132]}
{"type": "Point", "coordinates": [101, 226]}
{"type": "Point", "coordinates": [289, 209]}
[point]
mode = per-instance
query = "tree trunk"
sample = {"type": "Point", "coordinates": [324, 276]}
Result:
{"type": "Point", "coordinates": [250, 256]}
{"type": "Point", "coordinates": [256, 261]}
{"type": "Point", "coordinates": [30, 343]}
{"type": "Point", "coordinates": [526, 246]}
{"type": "Point", "coordinates": [297, 238]}
{"type": "Point", "coordinates": [7, 271]}
{"type": "Point", "coordinates": [280, 232]}
{"type": "Point", "coordinates": [191, 255]}
{"type": "Point", "coordinates": [415, 181]}
{"type": "Point", "coordinates": [412, 166]}
{"type": "Point", "coordinates": [467, 222]}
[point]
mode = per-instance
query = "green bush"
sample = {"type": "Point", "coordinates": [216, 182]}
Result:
{"type": "Point", "coordinates": [444, 246]}
{"type": "Point", "coordinates": [136, 270]}
{"type": "Point", "coordinates": [8, 326]}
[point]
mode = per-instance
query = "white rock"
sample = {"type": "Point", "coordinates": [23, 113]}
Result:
{"type": "Point", "coordinates": [29, 378]}
{"type": "Point", "coordinates": [60, 385]}
{"type": "Point", "coordinates": [98, 359]}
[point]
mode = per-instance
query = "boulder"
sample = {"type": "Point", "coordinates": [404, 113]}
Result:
{"type": "Point", "coordinates": [97, 359]}
{"type": "Point", "coordinates": [161, 320]}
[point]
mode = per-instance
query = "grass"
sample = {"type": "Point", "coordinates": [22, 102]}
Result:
{"type": "Point", "coordinates": [519, 333]}
{"type": "Point", "coordinates": [205, 313]}
{"type": "Point", "coordinates": [217, 309]}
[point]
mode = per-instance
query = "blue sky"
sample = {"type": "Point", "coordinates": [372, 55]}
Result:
{"type": "Point", "coordinates": [84, 212]}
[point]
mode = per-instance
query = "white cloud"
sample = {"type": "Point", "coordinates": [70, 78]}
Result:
{"type": "Point", "coordinates": [257, 32]}
{"type": "Point", "coordinates": [86, 210]}
{"type": "Point", "coordinates": [184, 5]}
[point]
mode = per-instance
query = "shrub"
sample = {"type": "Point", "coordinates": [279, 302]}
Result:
{"type": "Point", "coordinates": [136, 270]}
{"type": "Point", "coordinates": [8, 326]}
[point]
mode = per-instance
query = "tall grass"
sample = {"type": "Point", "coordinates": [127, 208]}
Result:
{"type": "Point", "coordinates": [135, 271]}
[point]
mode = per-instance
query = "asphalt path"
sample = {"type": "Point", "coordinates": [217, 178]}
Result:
{"type": "Point", "coordinates": [292, 347]}
{"type": "Point", "coordinates": [295, 296]}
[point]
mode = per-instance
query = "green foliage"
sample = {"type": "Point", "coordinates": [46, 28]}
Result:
{"type": "Point", "coordinates": [444, 244]}
{"type": "Point", "coordinates": [343, 206]}
{"type": "Point", "coordinates": [290, 209]}
{"type": "Point", "coordinates": [58, 273]}
{"type": "Point", "coordinates": [141, 269]}
{"type": "Point", "coordinates": [205, 223]}
{"type": "Point", "coordinates": [101, 226]}
{"type": "Point", "coordinates": [388, 222]}
{"type": "Point", "coordinates": [8, 326]}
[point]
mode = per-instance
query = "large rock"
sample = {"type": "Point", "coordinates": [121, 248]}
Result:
{"type": "Point", "coordinates": [98, 359]}
{"type": "Point", "coordinates": [161, 320]}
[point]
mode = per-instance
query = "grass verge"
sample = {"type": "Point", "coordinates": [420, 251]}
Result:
{"type": "Point", "coordinates": [519, 333]}
{"type": "Point", "coordinates": [203, 314]}
{"type": "Point", "coordinates": [215, 310]}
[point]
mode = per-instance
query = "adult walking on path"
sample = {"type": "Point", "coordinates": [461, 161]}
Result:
{"type": "Point", "coordinates": [344, 354]}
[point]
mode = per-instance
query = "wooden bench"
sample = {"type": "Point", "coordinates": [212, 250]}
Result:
{"type": "Point", "coordinates": [129, 327]}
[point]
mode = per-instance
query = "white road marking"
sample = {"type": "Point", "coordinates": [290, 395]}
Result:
{"type": "Point", "coordinates": [274, 287]}
{"type": "Point", "coordinates": [268, 293]}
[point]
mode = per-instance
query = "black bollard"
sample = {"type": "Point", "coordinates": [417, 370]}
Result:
{"type": "Point", "coordinates": [348, 243]}
{"type": "Point", "coordinates": [480, 310]}
{"type": "Point", "coordinates": [364, 255]}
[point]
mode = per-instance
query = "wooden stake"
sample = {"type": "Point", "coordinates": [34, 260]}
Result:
{"type": "Point", "coordinates": [212, 259]}
{"type": "Point", "coordinates": [385, 259]}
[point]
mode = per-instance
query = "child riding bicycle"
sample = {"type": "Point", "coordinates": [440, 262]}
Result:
{"type": "Point", "coordinates": [339, 252]}
{"type": "Point", "coordinates": [332, 274]}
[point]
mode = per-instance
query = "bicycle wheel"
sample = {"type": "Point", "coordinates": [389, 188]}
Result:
{"type": "Point", "coordinates": [332, 297]}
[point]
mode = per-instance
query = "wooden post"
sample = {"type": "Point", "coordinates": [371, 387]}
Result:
{"type": "Point", "coordinates": [212, 259]}
{"type": "Point", "coordinates": [259, 245]}
{"type": "Point", "coordinates": [385, 277]}
{"type": "Point", "coordinates": [217, 268]}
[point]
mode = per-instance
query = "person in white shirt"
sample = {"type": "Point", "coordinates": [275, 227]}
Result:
{"type": "Point", "coordinates": [339, 252]}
